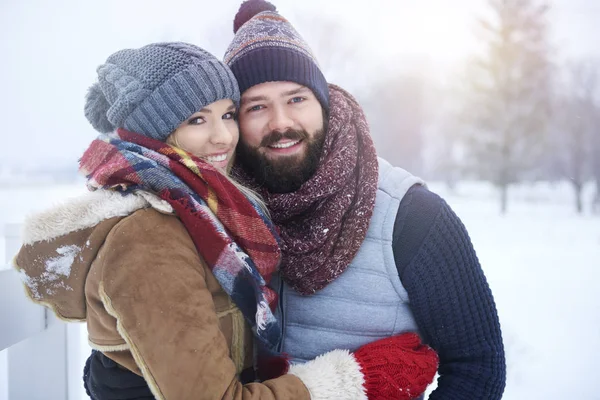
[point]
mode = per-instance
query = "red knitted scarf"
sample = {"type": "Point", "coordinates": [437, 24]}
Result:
{"type": "Point", "coordinates": [323, 224]}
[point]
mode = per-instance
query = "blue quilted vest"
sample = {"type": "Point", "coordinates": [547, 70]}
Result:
{"type": "Point", "coordinates": [367, 301]}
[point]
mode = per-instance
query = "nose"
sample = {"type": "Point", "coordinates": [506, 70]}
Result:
{"type": "Point", "coordinates": [221, 136]}
{"type": "Point", "coordinates": [280, 121]}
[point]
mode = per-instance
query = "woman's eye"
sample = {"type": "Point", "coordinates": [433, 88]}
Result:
{"type": "Point", "coordinates": [230, 115]}
{"type": "Point", "coordinates": [197, 121]}
{"type": "Point", "coordinates": [297, 100]}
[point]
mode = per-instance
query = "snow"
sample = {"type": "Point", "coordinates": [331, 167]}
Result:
{"type": "Point", "coordinates": [55, 267]}
{"type": "Point", "coordinates": [541, 261]}
{"type": "Point", "coordinates": [31, 283]}
{"type": "Point", "coordinates": [62, 264]}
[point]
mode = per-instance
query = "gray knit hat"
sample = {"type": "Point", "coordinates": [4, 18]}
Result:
{"type": "Point", "coordinates": [153, 89]}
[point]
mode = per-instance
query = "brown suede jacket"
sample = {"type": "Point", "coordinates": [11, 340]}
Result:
{"type": "Point", "coordinates": [127, 266]}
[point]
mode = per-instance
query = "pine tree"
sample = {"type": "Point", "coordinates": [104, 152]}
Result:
{"type": "Point", "coordinates": [507, 94]}
{"type": "Point", "coordinates": [575, 116]}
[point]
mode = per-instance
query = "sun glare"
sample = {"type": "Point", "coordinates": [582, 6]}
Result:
{"type": "Point", "coordinates": [443, 31]}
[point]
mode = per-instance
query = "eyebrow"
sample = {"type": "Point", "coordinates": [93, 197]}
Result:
{"type": "Point", "coordinates": [301, 89]}
{"type": "Point", "coordinates": [253, 99]}
{"type": "Point", "coordinates": [295, 91]}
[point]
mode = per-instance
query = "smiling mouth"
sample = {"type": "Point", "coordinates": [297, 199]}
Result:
{"type": "Point", "coordinates": [285, 145]}
{"type": "Point", "coordinates": [217, 158]}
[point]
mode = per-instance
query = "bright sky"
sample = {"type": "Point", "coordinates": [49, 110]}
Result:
{"type": "Point", "coordinates": [50, 50]}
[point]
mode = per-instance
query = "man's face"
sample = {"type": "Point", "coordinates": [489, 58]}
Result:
{"type": "Point", "coordinates": [282, 134]}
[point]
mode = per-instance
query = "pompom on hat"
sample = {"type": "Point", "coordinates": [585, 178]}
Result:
{"type": "Point", "coordinates": [249, 9]}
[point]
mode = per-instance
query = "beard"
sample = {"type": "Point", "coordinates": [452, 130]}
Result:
{"type": "Point", "coordinates": [284, 174]}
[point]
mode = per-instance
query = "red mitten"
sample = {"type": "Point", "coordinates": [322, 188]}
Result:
{"type": "Point", "coordinates": [399, 367]}
{"type": "Point", "coordinates": [272, 367]}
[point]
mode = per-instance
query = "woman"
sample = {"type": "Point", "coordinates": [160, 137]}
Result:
{"type": "Point", "coordinates": [168, 260]}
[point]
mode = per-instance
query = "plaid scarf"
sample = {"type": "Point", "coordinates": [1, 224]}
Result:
{"type": "Point", "coordinates": [231, 233]}
{"type": "Point", "coordinates": [323, 224]}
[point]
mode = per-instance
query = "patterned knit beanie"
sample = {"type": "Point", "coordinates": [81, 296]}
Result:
{"type": "Point", "coordinates": [267, 48]}
{"type": "Point", "coordinates": [153, 89]}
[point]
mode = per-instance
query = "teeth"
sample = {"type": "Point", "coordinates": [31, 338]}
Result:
{"type": "Point", "coordinates": [221, 157]}
{"type": "Point", "coordinates": [284, 145]}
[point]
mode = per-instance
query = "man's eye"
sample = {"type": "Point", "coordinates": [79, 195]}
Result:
{"type": "Point", "coordinates": [255, 108]}
{"type": "Point", "coordinates": [230, 115]}
{"type": "Point", "coordinates": [297, 100]}
{"type": "Point", "coordinates": [196, 121]}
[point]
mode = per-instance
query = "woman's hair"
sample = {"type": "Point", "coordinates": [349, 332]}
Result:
{"type": "Point", "coordinates": [250, 194]}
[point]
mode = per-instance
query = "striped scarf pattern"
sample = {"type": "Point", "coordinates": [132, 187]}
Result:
{"type": "Point", "coordinates": [231, 233]}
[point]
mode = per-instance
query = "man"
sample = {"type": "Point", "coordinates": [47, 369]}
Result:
{"type": "Point", "coordinates": [368, 251]}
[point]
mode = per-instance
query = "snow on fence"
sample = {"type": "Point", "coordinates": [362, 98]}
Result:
{"type": "Point", "coordinates": [38, 352]}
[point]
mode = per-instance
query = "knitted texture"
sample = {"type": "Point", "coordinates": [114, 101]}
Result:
{"type": "Point", "coordinates": [267, 48]}
{"type": "Point", "coordinates": [450, 298]}
{"type": "Point", "coordinates": [232, 235]}
{"type": "Point", "coordinates": [323, 224]}
{"type": "Point", "coordinates": [399, 367]}
{"type": "Point", "coordinates": [153, 89]}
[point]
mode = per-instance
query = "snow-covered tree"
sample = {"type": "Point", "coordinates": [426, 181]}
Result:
{"type": "Point", "coordinates": [507, 94]}
{"type": "Point", "coordinates": [595, 161]}
{"type": "Point", "coordinates": [576, 115]}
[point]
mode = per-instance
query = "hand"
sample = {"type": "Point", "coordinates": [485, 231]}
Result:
{"type": "Point", "coordinates": [399, 367]}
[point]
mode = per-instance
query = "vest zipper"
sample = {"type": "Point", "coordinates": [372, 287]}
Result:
{"type": "Point", "coordinates": [281, 309]}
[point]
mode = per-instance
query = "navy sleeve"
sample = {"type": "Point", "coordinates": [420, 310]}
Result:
{"type": "Point", "coordinates": [103, 379]}
{"type": "Point", "coordinates": [450, 298]}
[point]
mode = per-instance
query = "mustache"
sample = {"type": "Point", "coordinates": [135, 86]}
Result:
{"type": "Point", "coordinates": [275, 137]}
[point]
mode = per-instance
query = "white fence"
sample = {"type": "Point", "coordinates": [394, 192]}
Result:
{"type": "Point", "coordinates": [40, 356]}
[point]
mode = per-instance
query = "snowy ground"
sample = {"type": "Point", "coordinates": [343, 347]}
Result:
{"type": "Point", "coordinates": [542, 261]}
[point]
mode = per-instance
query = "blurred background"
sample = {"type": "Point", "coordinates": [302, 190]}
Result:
{"type": "Point", "coordinates": [495, 103]}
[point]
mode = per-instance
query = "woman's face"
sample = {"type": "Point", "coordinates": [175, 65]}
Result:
{"type": "Point", "coordinates": [211, 134]}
